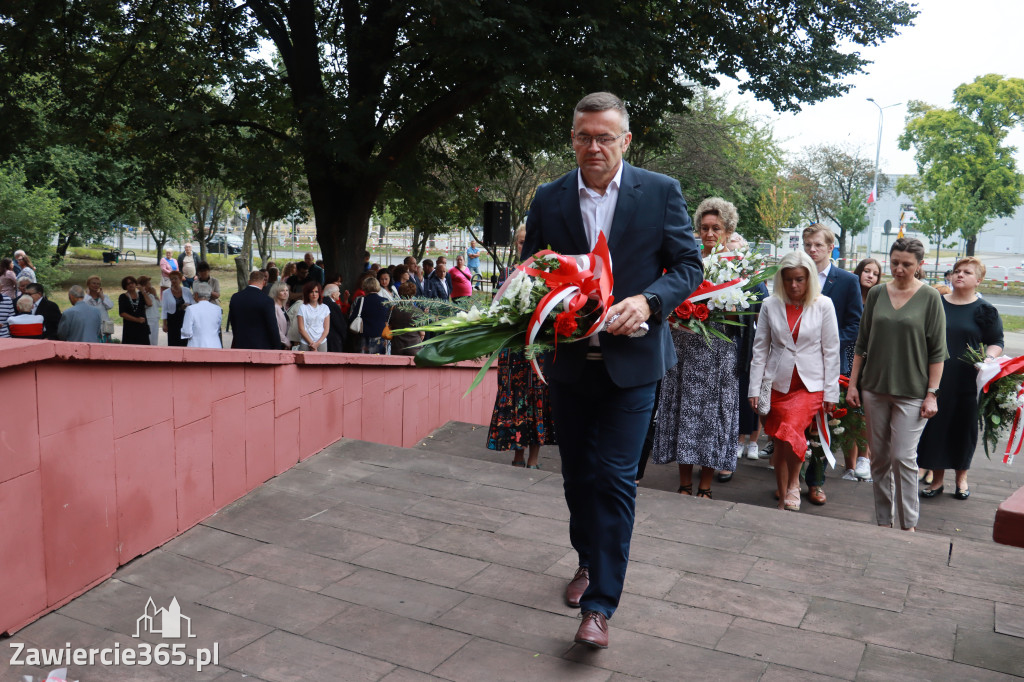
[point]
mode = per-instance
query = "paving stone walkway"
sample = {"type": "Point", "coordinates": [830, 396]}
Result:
{"type": "Point", "coordinates": [369, 562]}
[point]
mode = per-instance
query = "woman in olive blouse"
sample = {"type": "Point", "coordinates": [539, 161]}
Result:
{"type": "Point", "coordinates": [897, 367]}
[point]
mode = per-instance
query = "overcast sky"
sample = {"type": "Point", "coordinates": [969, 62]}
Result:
{"type": "Point", "coordinates": [951, 42]}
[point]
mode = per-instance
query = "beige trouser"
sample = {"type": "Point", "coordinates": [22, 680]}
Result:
{"type": "Point", "coordinates": [894, 428]}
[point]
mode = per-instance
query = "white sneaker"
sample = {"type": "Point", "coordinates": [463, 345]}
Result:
{"type": "Point", "coordinates": [863, 470]}
{"type": "Point", "coordinates": [752, 450]}
{"type": "Point", "coordinates": [850, 475]}
{"type": "Point", "coordinates": [739, 451]}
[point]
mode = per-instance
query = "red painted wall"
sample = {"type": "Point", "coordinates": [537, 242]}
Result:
{"type": "Point", "coordinates": [108, 451]}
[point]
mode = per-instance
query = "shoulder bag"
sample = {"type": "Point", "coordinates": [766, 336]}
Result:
{"type": "Point", "coordinates": [356, 325]}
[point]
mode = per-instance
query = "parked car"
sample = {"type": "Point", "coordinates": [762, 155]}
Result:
{"type": "Point", "coordinates": [224, 243]}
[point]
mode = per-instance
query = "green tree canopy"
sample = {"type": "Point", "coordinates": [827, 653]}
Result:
{"type": "Point", "coordinates": [29, 219]}
{"type": "Point", "coordinates": [961, 152]}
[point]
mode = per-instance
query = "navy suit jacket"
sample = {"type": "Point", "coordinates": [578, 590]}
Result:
{"type": "Point", "coordinates": [844, 289]}
{"type": "Point", "coordinates": [253, 320]}
{"type": "Point", "coordinates": [51, 317]}
{"type": "Point", "coordinates": [653, 250]}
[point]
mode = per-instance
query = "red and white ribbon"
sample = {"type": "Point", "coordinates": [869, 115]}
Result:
{"type": "Point", "coordinates": [576, 280]}
{"type": "Point", "coordinates": [1013, 445]}
{"type": "Point", "coordinates": [824, 435]}
{"type": "Point", "coordinates": [709, 289]}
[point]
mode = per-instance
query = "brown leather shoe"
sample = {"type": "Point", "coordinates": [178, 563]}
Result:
{"type": "Point", "coordinates": [577, 586]}
{"type": "Point", "coordinates": [593, 630]}
{"type": "Point", "coordinates": [816, 495]}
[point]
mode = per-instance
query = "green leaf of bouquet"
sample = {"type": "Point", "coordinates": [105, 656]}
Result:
{"type": "Point", "coordinates": [467, 344]}
{"type": "Point", "coordinates": [995, 419]}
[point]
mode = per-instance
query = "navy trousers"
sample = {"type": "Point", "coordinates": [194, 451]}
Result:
{"type": "Point", "coordinates": [601, 430]}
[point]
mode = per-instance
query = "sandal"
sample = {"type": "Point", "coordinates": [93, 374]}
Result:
{"type": "Point", "coordinates": [533, 466]}
{"type": "Point", "coordinates": [704, 492]}
{"type": "Point", "coordinates": [685, 490]}
{"type": "Point", "coordinates": [793, 499]}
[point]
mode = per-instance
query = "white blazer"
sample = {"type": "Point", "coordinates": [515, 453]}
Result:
{"type": "Point", "coordinates": [815, 354]}
{"type": "Point", "coordinates": [201, 325]}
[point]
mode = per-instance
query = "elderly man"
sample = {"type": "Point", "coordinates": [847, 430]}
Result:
{"type": "Point", "coordinates": [315, 271]}
{"type": "Point", "coordinates": [201, 325]}
{"type": "Point", "coordinates": [203, 275]}
{"type": "Point", "coordinates": [436, 284]}
{"type": "Point", "coordinates": [187, 262]}
{"type": "Point", "coordinates": [81, 322]}
{"type": "Point", "coordinates": [45, 307]}
{"type": "Point", "coordinates": [602, 392]}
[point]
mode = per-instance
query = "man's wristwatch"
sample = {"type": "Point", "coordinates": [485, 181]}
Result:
{"type": "Point", "coordinates": [934, 392]}
{"type": "Point", "coordinates": [654, 303]}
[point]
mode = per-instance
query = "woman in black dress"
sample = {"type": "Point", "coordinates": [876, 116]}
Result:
{"type": "Point", "coordinates": [949, 439]}
{"type": "Point", "coordinates": [172, 309]}
{"type": "Point", "coordinates": [132, 305]}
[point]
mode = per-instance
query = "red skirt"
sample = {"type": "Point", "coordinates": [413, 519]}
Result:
{"type": "Point", "coordinates": [792, 413]}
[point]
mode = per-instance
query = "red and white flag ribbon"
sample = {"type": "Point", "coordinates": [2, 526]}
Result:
{"type": "Point", "coordinates": [824, 435]}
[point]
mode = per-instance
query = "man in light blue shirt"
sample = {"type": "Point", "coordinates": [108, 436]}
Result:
{"type": "Point", "coordinates": [81, 322]}
{"type": "Point", "coordinates": [473, 259]}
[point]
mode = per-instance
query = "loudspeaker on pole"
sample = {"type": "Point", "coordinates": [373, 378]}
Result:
{"type": "Point", "coordinates": [497, 223]}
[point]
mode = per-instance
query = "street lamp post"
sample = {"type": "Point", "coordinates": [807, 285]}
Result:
{"type": "Point", "coordinates": [874, 184]}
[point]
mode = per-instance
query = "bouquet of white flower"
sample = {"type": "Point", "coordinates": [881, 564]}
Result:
{"type": "Point", "coordinates": [549, 299]}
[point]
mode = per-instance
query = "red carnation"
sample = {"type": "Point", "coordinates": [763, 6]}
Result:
{"type": "Point", "coordinates": [701, 312]}
{"type": "Point", "coordinates": [565, 324]}
{"type": "Point", "coordinates": [839, 412]}
{"type": "Point", "coordinates": [684, 310]}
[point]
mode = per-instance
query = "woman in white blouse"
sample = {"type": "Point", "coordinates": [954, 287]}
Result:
{"type": "Point", "coordinates": [314, 319]}
{"type": "Point", "coordinates": [797, 347]}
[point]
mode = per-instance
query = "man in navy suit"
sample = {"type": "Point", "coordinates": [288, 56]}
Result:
{"type": "Point", "coordinates": [252, 317]}
{"type": "Point", "coordinates": [844, 289]}
{"type": "Point", "coordinates": [602, 392]}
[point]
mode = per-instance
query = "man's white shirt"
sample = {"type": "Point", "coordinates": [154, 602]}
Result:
{"type": "Point", "coordinates": [202, 324]}
{"type": "Point", "coordinates": [598, 210]}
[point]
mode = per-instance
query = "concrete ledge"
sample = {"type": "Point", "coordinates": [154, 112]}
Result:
{"type": "Point", "coordinates": [1009, 525]}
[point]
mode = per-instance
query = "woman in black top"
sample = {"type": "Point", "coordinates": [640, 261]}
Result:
{"type": "Point", "coordinates": [132, 305]}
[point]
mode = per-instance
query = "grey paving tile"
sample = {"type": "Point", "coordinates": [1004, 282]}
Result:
{"type": "Point", "coordinates": [669, 505]}
{"type": "Point", "coordinates": [264, 510]}
{"type": "Point", "coordinates": [376, 523]}
{"type": "Point", "coordinates": [693, 533]}
{"type": "Point", "coordinates": [740, 599]}
{"type": "Point", "coordinates": [400, 674]}
{"type": "Point", "coordinates": [183, 577]}
{"type": "Point", "coordinates": [395, 594]}
{"type": "Point", "coordinates": [525, 588]}
{"type": "Point", "coordinates": [929, 636]}
{"type": "Point", "coordinates": [308, 482]}
{"type": "Point", "coordinates": [670, 620]}
{"type": "Point", "coordinates": [512, 664]}
{"type": "Point", "coordinates": [281, 606]}
{"type": "Point", "coordinates": [413, 481]}
{"type": "Point", "coordinates": [338, 468]}
{"type": "Point", "coordinates": [781, 673]}
{"type": "Point", "coordinates": [462, 514]}
{"type": "Point", "coordinates": [953, 580]}
{"type": "Point", "coordinates": [291, 567]}
{"type": "Point", "coordinates": [285, 657]}
{"type": "Point", "coordinates": [402, 641]}
{"type": "Point", "coordinates": [235, 676]}
{"type": "Point", "coordinates": [662, 660]}
{"type": "Point", "coordinates": [1009, 620]}
{"type": "Point", "coordinates": [322, 539]}
{"type": "Point", "coordinates": [421, 563]}
{"type": "Point", "coordinates": [930, 602]}
{"type": "Point", "coordinates": [524, 502]}
{"type": "Point", "coordinates": [812, 581]}
{"type": "Point", "coordinates": [55, 630]}
{"type": "Point", "coordinates": [690, 558]}
{"type": "Point", "coordinates": [495, 548]}
{"type": "Point", "coordinates": [989, 650]}
{"type": "Point", "coordinates": [113, 604]}
{"type": "Point", "coordinates": [552, 531]}
{"type": "Point", "coordinates": [793, 647]}
{"type": "Point", "coordinates": [809, 550]}
{"type": "Point", "coordinates": [210, 545]}
{"type": "Point", "coordinates": [370, 496]}
{"type": "Point", "coordinates": [518, 626]}
{"type": "Point", "coordinates": [882, 664]}
{"type": "Point", "coordinates": [648, 580]}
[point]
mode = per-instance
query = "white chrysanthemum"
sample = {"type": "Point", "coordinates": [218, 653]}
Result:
{"type": "Point", "coordinates": [473, 315]}
{"type": "Point", "coordinates": [838, 431]}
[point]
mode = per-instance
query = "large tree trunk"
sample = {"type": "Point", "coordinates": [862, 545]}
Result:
{"type": "Point", "coordinates": [342, 224]}
{"type": "Point", "coordinates": [971, 243]}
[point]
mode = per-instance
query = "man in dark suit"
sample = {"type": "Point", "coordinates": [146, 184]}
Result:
{"type": "Point", "coordinates": [844, 289]}
{"type": "Point", "coordinates": [45, 307]}
{"type": "Point", "coordinates": [252, 317]}
{"type": "Point", "coordinates": [602, 392]}
{"type": "Point", "coordinates": [436, 284]}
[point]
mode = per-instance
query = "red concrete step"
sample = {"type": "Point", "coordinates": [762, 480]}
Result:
{"type": "Point", "coordinates": [1009, 525]}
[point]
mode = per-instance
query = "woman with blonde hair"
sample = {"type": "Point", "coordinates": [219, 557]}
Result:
{"type": "Point", "coordinates": [949, 440]}
{"type": "Point", "coordinates": [797, 348]}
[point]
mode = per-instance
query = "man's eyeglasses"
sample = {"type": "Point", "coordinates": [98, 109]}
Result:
{"type": "Point", "coordinates": [586, 140]}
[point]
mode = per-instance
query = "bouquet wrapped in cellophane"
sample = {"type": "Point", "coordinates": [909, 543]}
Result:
{"type": "Point", "coordinates": [1000, 386]}
{"type": "Point", "coordinates": [731, 279]}
{"type": "Point", "coordinates": [548, 300]}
